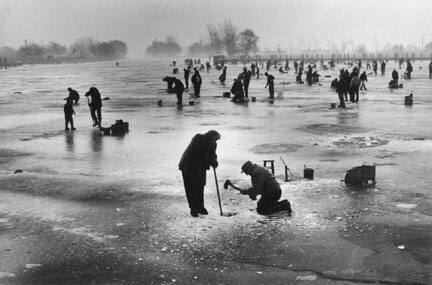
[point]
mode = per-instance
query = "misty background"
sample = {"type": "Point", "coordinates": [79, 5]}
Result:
{"type": "Point", "coordinates": [291, 26]}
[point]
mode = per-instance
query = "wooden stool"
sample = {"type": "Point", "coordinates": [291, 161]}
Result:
{"type": "Point", "coordinates": [271, 167]}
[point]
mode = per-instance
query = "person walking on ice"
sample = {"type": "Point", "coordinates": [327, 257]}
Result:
{"type": "Point", "coordinates": [69, 111]}
{"type": "Point", "coordinates": [196, 81]}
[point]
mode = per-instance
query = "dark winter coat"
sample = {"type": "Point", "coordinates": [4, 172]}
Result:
{"type": "Point", "coordinates": [246, 76]}
{"type": "Point", "coordinates": [74, 95]}
{"type": "Point", "coordinates": [263, 182]}
{"type": "Point", "coordinates": [95, 96]}
{"type": "Point", "coordinates": [68, 109]}
{"type": "Point", "coordinates": [170, 81]}
{"type": "Point", "coordinates": [237, 88]}
{"type": "Point", "coordinates": [178, 86]}
{"type": "Point", "coordinates": [270, 82]}
{"type": "Point", "coordinates": [198, 157]}
{"type": "Point", "coordinates": [196, 79]}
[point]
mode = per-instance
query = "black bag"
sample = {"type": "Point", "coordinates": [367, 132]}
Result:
{"type": "Point", "coordinates": [360, 175]}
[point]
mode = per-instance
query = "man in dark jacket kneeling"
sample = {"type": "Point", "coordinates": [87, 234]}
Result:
{"type": "Point", "coordinates": [264, 184]}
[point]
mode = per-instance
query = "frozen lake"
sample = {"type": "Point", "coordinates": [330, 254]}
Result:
{"type": "Point", "coordinates": [300, 127]}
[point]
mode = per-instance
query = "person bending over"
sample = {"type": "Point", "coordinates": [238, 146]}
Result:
{"type": "Point", "coordinates": [264, 184]}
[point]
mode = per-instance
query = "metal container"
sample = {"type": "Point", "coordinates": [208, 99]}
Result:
{"type": "Point", "coordinates": [408, 100]}
{"type": "Point", "coordinates": [308, 173]}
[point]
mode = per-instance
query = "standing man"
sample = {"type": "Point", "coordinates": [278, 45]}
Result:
{"type": "Point", "coordinates": [69, 111]}
{"type": "Point", "coordinates": [179, 88]}
{"type": "Point", "coordinates": [363, 79]}
{"type": "Point", "coordinates": [270, 84]}
{"type": "Point", "coordinates": [395, 77]}
{"type": "Point", "coordinates": [354, 87]}
{"type": "Point", "coordinates": [222, 77]}
{"type": "Point", "coordinates": [246, 76]}
{"type": "Point", "coordinates": [341, 88]}
{"type": "Point", "coordinates": [253, 66]}
{"type": "Point", "coordinates": [95, 104]}
{"type": "Point", "coordinates": [195, 161]}
{"type": "Point", "coordinates": [383, 66]}
{"type": "Point", "coordinates": [309, 75]}
{"type": "Point", "coordinates": [340, 92]}
{"type": "Point", "coordinates": [264, 184]}
{"type": "Point", "coordinates": [295, 67]}
{"type": "Point", "coordinates": [430, 70]}
{"type": "Point", "coordinates": [409, 69]}
{"type": "Point", "coordinates": [186, 76]}
{"type": "Point", "coordinates": [196, 81]}
{"type": "Point", "coordinates": [73, 95]}
{"type": "Point", "coordinates": [375, 66]}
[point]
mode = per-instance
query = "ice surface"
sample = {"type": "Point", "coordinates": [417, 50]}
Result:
{"type": "Point", "coordinates": [299, 126]}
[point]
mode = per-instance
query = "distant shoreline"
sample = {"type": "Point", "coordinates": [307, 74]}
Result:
{"type": "Point", "coordinates": [41, 62]}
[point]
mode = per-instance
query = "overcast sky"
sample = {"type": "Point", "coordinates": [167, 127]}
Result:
{"type": "Point", "coordinates": [288, 23]}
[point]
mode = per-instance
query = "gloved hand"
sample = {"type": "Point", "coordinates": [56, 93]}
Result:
{"type": "Point", "coordinates": [253, 197]}
{"type": "Point", "coordinates": [215, 164]}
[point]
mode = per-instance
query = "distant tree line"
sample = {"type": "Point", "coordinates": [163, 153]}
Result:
{"type": "Point", "coordinates": [167, 47]}
{"type": "Point", "coordinates": [219, 40]}
{"type": "Point", "coordinates": [226, 39]}
{"type": "Point", "coordinates": [85, 49]}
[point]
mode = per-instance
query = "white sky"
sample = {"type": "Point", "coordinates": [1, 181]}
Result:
{"type": "Point", "coordinates": [289, 23]}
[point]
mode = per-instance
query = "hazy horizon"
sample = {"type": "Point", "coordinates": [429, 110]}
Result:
{"type": "Point", "coordinates": [292, 25]}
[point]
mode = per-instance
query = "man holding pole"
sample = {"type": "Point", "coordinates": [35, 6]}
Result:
{"type": "Point", "coordinates": [195, 161]}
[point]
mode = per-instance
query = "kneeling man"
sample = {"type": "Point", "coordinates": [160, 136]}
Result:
{"type": "Point", "coordinates": [264, 184]}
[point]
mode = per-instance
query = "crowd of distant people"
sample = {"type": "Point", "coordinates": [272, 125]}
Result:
{"type": "Point", "coordinates": [347, 85]}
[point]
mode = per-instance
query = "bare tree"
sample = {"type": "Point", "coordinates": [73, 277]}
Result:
{"type": "Point", "coordinates": [199, 48]}
{"type": "Point", "coordinates": [248, 42]}
{"type": "Point", "coordinates": [229, 37]}
{"type": "Point", "coordinates": [361, 49]}
{"type": "Point", "coordinates": [428, 47]}
{"type": "Point", "coordinates": [216, 42]}
{"type": "Point", "coordinates": [55, 48]}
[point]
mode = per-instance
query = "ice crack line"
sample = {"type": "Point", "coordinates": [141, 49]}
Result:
{"type": "Point", "coordinates": [338, 278]}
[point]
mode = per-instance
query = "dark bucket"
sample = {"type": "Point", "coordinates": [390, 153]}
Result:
{"type": "Point", "coordinates": [159, 103]}
{"type": "Point", "coordinates": [253, 99]}
{"type": "Point", "coordinates": [308, 173]}
{"type": "Point", "coordinates": [333, 105]}
{"type": "Point", "coordinates": [191, 103]}
{"type": "Point", "coordinates": [408, 101]}
{"type": "Point", "coordinates": [106, 131]}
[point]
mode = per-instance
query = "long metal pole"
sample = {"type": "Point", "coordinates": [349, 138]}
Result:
{"type": "Point", "coordinates": [217, 189]}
